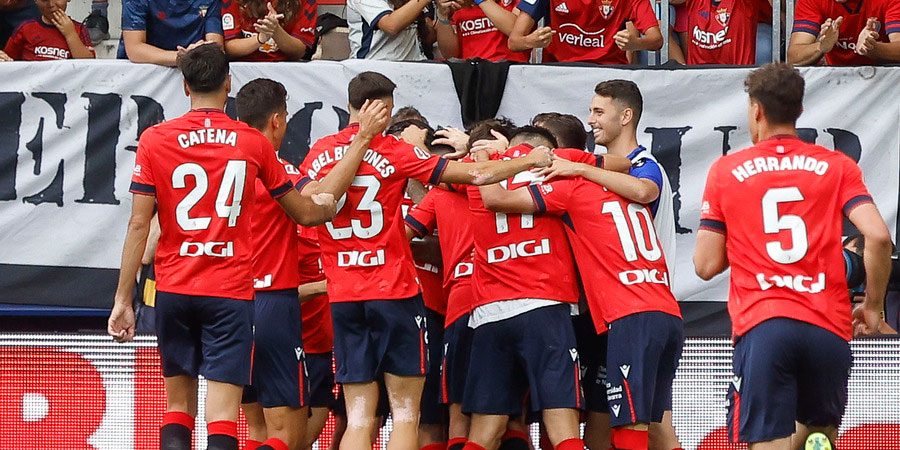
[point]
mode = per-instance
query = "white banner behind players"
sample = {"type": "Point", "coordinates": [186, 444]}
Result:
{"type": "Point", "coordinates": [68, 131]}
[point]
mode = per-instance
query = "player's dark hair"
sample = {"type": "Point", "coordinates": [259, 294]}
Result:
{"type": "Point", "coordinates": [778, 88]}
{"type": "Point", "coordinates": [626, 93]}
{"type": "Point", "coordinates": [529, 132]}
{"type": "Point", "coordinates": [204, 68]}
{"type": "Point", "coordinates": [369, 86]}
{"type": "Point", "coordinates": [482, 130]}
{"type": "Point", "coordinates": [258, 100]}
{"type": "Point", "coordinates": [408, 113]}
{"type": "Point", "coordinates": [566, 128]}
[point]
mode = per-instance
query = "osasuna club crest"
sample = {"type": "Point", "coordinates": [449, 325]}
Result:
{"type": "Point", "coordinates": [507, 2]}
{"type": "Point", "coordinates": [606, 8]}
{"type": "Point", "coordinates": [722, 16]}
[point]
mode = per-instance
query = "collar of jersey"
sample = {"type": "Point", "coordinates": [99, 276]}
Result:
{"type": "Point", "coordinates": [207, 110]}
{"type": "Point", "coordinates": [634, 152]}
{"type": "Point", "coordinates": [782, 136]}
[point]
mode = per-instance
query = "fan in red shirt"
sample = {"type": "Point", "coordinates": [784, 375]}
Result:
{"type": "Point", "coordinates": [52, 36]}
{"type": "Point", "coordinates": [845, 33]}
{"type": "Point", "coordinates": [722, 32]}
{"type": "Point", "coordinates": [478, 31]}
{"type": "Point", "coordinates": [268, 31]}
{"type": "Point", "coordinates": [372, 282]}
{"type": "Point", "coordinates": [587, 30]}
{"type": "Point", "coordinates": [774, 214]}
{"type": "Point", "coordinates": [196, 169]}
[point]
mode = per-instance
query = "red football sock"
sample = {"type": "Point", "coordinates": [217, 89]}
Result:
{"type": "Point", "coordinates": [627, 439]}
{"type": "Point", "coordinates": [252, 445]}
{"type": "Point", "coordinates": [224, 427]}
{"type": "Point", "coordinates": [178, 418]}
{"type": "Point", "coordinates": [274, 444]}
{"type": "Point", "coordinates": [458, 442]}
{"type": "Point", "coordinates": [473, 446]}
{"type": "Point", "coordinates": [512, 434]}
{"type": "Point", "coordinates": [435, 446]}
{"type": "Point", "coordinates": [571, 444]}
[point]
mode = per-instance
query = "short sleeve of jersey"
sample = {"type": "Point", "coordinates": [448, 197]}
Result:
{"type": "Point", "coordinates": [537, 9]}
{"type": "Point", "coordinates": [271, 171]}
{"type": "Point", "coordinates": [85, 36]}
{"type": "Point", "coordinates": [15, 44]}
{"type": "Point", "coordinates": [643, 16]}
{"type": "Point", "coordinates": [371, 10]}
{"type": "Point", "coordinates": [422, 218]}
{"type": "Point", "coordinates": [807, 17]}
{"type": "Point", "coordinates": [134, 15]}
{"type": "Point", "coordinates": [418, 164]}
{"type": "Point", "coordinates": [142, 176]}
{"type": "Point", "coordinates": [554, 197]}
{"type": "Point", "coordinates": [892, 18]}
{"type": "Point", "coordinates": [649, 169]}
{"type": "Point", "coordinates": [213, 18]}
{"type": "Point", "coordinates": [853, 191]}
{"type": "Point", "coordinates": [711, 217]}
{"type": "Point", "coordinates": [231, 19]}
{"type": "Point", "coordinates": [304, 25]}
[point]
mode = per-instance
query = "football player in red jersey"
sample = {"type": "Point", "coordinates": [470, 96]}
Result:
{"type": "Point", "coordinates": [722, 32]}
{"type": "Point", "coordinates": [372, 283]}
{"type": "Point", "coordinates": [845, 32]}
{"type": "Point", "coordinates": [587, 30]}
{"type": "Point", "coordinates": [774, 214]}
{"type": "Point", "coordinates": [477, 31]}
{"type": "Point", "coordinates": [204, 256]}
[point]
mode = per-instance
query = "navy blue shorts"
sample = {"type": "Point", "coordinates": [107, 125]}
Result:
{"type": "Point", "coordinates": [209, 336]}
{"type": "Point", "coordinates": [321, 379]}
{"type": "Point", "coordinates": [533, 352]}
{"type": "Point", "coordinates": [787, 371]}
{"type": "Point", "coordinates": [279, 363]}
{"type": "Point", "coordinates": [592, 361]}
{"type": "Point", "coordinates": [433, 412]}
{"type": "Point", "coordinates": [643, 353]}
{"type": "Point", "coordinates": [374, 337]}
{"type": "Point", "coordinates": [455, 362]}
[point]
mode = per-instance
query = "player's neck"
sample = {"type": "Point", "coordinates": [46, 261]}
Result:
{"type": "Point", "coordinates": [354, 117]}
{"type": "Point", "coordinates": [623, 145]}
{"type": "Point", "coordinates": [767, 131]}
{"type": "Point", "coordinates": [210, 101]}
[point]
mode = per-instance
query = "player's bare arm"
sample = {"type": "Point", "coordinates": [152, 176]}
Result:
{"type": "Point", "coordinates": [710, 258]}
{"type": "Point", "coordinates": [140, 51]}
{"type": "Point", "coordinates": [447, 39]}
{"type": "Point", "coordinates": [309, 291]}
{"type": "Point", "coordinates": [490, 172]}
{"type": "Point", "coordinates": [497, 199]}
{"type": "Point", "coordinates": [121, 320]}
{"type": "Point", "coordinates": [523, 38]}
{"type": "Point", "coordinates": [64, 24]}
{"type": "Point", "coordinates": [630, 39]}
{"type": "Point", "coordinates": [640, 190]}
{"type": "Point", "coordinates": [503, 19]}
{"type": "Point", "coordinates": [807, 49]}
{"type": "Point", "coordinates": [877, 260]}
{"type": "Point", "coordinates": [402, 17]}
{"type": "Point", "coordinates": [373, 119]}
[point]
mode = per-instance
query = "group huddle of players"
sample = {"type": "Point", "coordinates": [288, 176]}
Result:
{"type": "Point", "coordinates": [555, 296]}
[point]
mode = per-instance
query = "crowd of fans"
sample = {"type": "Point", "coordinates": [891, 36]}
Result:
{"type": "Point", "coordinates": [827, 32]}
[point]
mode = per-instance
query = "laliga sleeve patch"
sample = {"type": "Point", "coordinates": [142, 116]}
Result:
{"type": "Point", "coordinates": [227, 21]}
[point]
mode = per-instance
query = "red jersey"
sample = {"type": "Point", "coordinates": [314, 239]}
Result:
{"type": "Point", "coordinates": [449, 211]}
{"type": "Point", "coordinates": [274, 240]}
{"type": "Point", "coordinates": [237, 23]}
{"type": "Point", "coordinates": [585, 28]}
{"type": "Point", "coordinates": [722, 32]}
{"type": "Point", "coordinates": [519, 256]}
{"type": "Point", "coordinates": [364, 249]}
{"type": "Point", "coordinates": [780, 205]}
{"type": "Point", "coordinates": [430, 276]}
{"type": "Point", "coordinates": [318, 332]}
{"type": "Point", "coordinates": [809, 16]}
{"type": "Point", "coordinates": [480, 38]}
{"type": "Point", "coordinates": [202, 168]}
{"type": "Point", "coordinates": [34, 40]}
{"type": "Point", "coordinates": [615, 245]}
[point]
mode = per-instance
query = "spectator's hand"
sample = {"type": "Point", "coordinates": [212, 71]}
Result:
{"type": "Point", "coordinates": [867, 37]}
{"type": "Point", "coordinates": [866, 320]}
{"type": "Point", "coordinates": [560, 168]}
{"type": "Point", "coordinates": [497, 145]}
{"type": "Point", "coordinates": [63, 23]}
{"type": "Point", "coordinates": [267, 26]}
{"type": "Point", "coordinates": [455, 138]}
{"type": "Point", "coordinates": [829, 33]}
{"type": "Point", "coordinates": [445, 8]}
{"type": "Point", "coordinates": [539, 38]}
{"type": "Point", "coordinates": [627, 39]}
{"type": "Point", "coordinates": [4, 57]}
{"type": "Point", "coordinates": [541, 157]}
{"type": "Point", "coordinates": [373, 118]}
{"type": "Point", "coordinates": [121, 321]}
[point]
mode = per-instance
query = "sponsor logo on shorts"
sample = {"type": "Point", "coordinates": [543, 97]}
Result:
{"type": "Point", "coordinates": [736, 382]}
{"type": "Point", "coordinates": [574, 354]}
{"type": "Point", "coordinates": [615, 409]}
{"type": "Point", "coordinates": [214, 249]}
{"type": "Point", "coordinates": [626, 369]}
